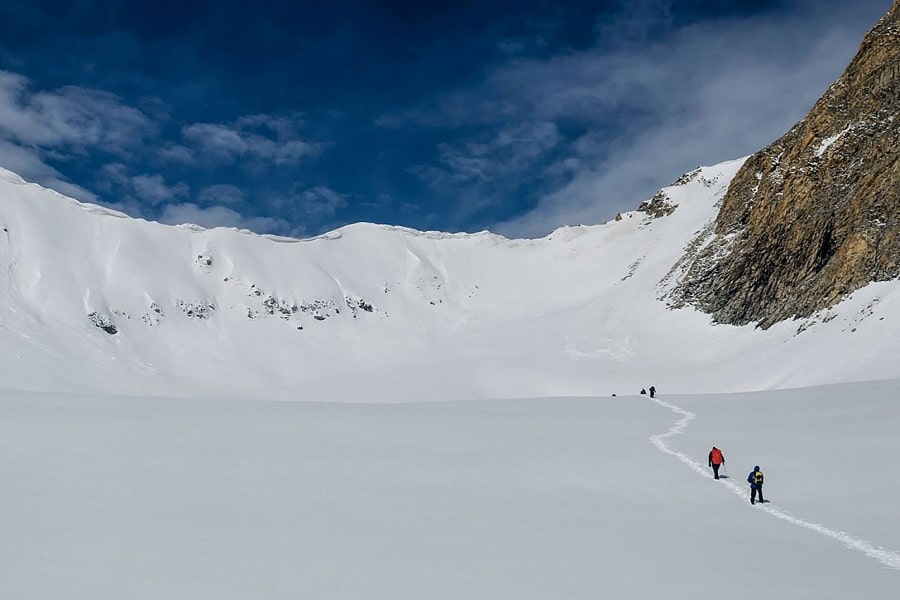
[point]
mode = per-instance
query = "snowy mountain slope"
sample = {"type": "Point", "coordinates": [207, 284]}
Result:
{"type": "Point", "coordinates": [222, 493]}
{"type": "Point", "coordinates": [94, 301]}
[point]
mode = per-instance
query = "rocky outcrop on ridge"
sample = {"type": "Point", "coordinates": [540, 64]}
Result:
{"type": "Point", "coordinates": [815, 215]}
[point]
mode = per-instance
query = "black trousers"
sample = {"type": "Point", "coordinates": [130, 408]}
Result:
{"type": "Point", "coordinates": [715, 469]}
{"type": "Point", "coordinates": [756, 489]}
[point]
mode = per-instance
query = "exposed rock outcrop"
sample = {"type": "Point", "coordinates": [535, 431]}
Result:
{"type": "Point", "coordinates": [815, 215]}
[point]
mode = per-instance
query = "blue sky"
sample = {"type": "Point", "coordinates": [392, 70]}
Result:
{"type": "Point", "coordinates": [295, 118]}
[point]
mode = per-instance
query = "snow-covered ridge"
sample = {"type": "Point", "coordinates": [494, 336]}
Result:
{"type": "Point", "coordinates": [190, 311]}
{"type": "Point", "coordinates": [11, 177]}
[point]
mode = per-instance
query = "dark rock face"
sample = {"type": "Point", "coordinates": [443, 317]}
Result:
{"type": "Point", "coordinates": [103, 322]}
{"type": "Point", "coordinates": [816, 215]}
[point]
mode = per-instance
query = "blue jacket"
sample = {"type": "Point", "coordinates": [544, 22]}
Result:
{"type": "Point", "coordinates": [751, 478]}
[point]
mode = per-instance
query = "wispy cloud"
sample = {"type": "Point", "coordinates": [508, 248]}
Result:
{"type": "Point", "coordinates": [28, 163]}
{"type": "Point", "coordinates": [145, 190]}
{"type": "Point", "coordinates": [220, 194]}
{"type": "Point", "coordinates": [154, 190]}
{"type": "Point", "coordinates": [40, 130]}
{"type": "Point", "coordinates": [37, 127]}
{"type": "Point", "coordinates": [316, 203]}
{"type": "Point", "coordinates": [172, 152]}
{"type": "Point", "coordinates": [647, 102]}
{"type": "Point", "coordinates": [510, 150]}
{"type": "Point", "coordinates": [275, 139]}
{"type": "Point", "coordinates": [70, 117]}
{"type": "Point", "coordinates": [710, 93]}
{"type": "Point", "coordinates": [299, 207]}
{"type": "Point", "coordinates": [571, 122]}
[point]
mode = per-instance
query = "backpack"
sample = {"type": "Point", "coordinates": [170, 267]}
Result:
{"type": "Point", "coordinates": [716, 456]}
{"type": "Point", "coordinates": [758, 477]}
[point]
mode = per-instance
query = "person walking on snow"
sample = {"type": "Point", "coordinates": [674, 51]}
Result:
{"type": "Point", "coordinates": [652, 392]}
{"type": "Point", "coordinates": [716, 460]}
{"type": "Point", "coordinates": [755, 479]}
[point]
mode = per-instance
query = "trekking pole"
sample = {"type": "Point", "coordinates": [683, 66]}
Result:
{"type": "Point", "coordinates": [726, 469]}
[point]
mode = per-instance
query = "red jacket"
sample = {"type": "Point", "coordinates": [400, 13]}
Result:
{"type": "Point", "coordinates": [715, 456]}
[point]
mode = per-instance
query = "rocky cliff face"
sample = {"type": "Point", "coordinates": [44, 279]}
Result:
{"type": "Point", "coordinates": [815, 215]}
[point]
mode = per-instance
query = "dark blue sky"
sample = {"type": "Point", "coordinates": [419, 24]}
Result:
{"type": "Point", "coordinates": [296, 118]}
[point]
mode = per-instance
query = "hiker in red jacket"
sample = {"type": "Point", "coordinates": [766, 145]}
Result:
{"type": "Point", "coordinates": [716, 460]}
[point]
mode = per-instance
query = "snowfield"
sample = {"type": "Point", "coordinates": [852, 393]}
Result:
{"type": "Point", "coordinates": [380, 413]}
{"type": "Point", "coordinates": [530, 498]}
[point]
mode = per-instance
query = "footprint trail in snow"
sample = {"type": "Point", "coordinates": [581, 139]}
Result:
{"type": "Point", "coordinates": [889, 558]}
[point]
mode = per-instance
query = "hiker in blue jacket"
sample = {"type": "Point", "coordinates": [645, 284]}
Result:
{"type": "Point", "coordinates": [755, 479]}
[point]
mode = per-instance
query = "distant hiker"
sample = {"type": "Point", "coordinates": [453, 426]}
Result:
{"type": "Point", "coordinates": [652, 392]}
{"type": "Point", "coordinates": [716, 460]}
{"type": "Point", "coordinates": [643, 391]}
{"type": "Point", "coordinates": [755, 479]}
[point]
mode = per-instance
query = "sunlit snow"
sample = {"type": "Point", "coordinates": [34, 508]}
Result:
{"type": "Point", "coordinates": [385, 413]}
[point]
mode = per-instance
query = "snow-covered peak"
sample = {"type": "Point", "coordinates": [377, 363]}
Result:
{"type": "Point", "coordinates": [95, 301]}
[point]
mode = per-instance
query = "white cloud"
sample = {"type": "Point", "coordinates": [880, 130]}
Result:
{"type": "Point", "coordinates": [153, 189]}
{"type": "Point", "coordinates": [116, 173]}
{"type": "Point", "coordinates": [138, 191]}
{"type": "Point", "coordinates": [224, 143]}
{"type": "Point", "coordinates": [284, 126]}
{"type": "Point", "coordinates": [177, 153]}
{"type": "Point", "coordinates": [707, 96]}
{"type": "Point", "coordinates": [70, 117]}
{"type": "Point", "coordinates": [308, 208]}
{"type": "Point", "coordinates": [28, 163]}
{"type": "Point", "coordinates": [511, 150]}
{"type": "Point", "coordinates": [638, 109]}
{"type": "Point", "coordinates": [70, 189]}
{"type": "Point", "coordinates": [263, 137]}
{"type": "Point", "coordinates": [221, 194]}
{"type": "Point", "coordinates": [39, 126]}
{"type": "Point", "coordinates": [319, 202]}
{"type": "Point", "coordinates": [24, 161]}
